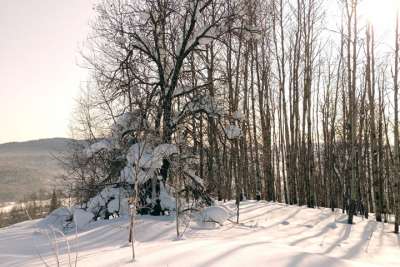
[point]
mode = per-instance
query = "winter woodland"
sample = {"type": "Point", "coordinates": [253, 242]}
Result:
{"type": "Point", "coordinates": [197, 102]}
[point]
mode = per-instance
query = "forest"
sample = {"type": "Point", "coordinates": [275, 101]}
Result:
{"type": "Point", "coordinates": [195, 101]}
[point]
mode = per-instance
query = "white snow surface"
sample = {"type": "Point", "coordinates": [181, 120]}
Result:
{"type": "Point", "coordinates": [269, 234]}
{"type": "Point", "coordinates": [215, 214]}
{"type": "Point", "coordinates": [82, 218]}
{"type": "Point", "coordinates": [56, 219]}
{"type": "Point", "coordinates": [113, 205]}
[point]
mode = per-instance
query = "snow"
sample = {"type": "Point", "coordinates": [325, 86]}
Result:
{"type": "Point", "coordinates": [233, 132]}
{"type": "Point", "coordinates": [124, 120]}
{"type": "Point", "coordinates": [167, 201]}
{"type": "Point", "coordinates": [129, 174]}
{"type": "Point", "coordinates": [269, 234]}
{"type": "Point", "coordinates": [58, 219]}
{"type": "Point", "coordinates": [142, 155]}
{"type": "Point", "coordinates": [98, 146]}
{"type": "Point", "coordinates": [238, 115]}
{"type": "Point", "coordinates": [161, 152]}
{"type": "Point", "coordinates": [165, 150]}
{"type": "Point", "coordinates": [145, 157]}
{"type": "Point", "coordinates": [64, 218]}
{"type": "Point", "coordinates": [113, 206]}
{"type": "Point", "coordinates": [124, 207]}
{"type": "Point", "coordinates": [82, 218]}
{"type": "Point", "coordinates": [96, 203]}
{"type": "Point", "coordinates": [196, 178]}
{"type": "Point", "coordinates": [215, 214]}
{"type": "Point", "coordinates": [139, 154]}
{"type": "Point", "coordinates": [206, 103]}
{"type": "Point", "coordinates": [180, 90]}
{"type": "Point", "coordinates": [105, 199]}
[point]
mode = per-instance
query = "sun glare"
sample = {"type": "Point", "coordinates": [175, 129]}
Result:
{"type": "Point", "coordinates": [380, 13]}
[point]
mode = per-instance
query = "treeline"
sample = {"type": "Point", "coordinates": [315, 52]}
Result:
{"type": "Point", "coordinates": [274, 103]}
{"type": "Point", "coordinates": [33, 206]}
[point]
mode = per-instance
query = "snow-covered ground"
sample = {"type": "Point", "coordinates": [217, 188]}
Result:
{"type": "Point", "coordinates": [269, 234]}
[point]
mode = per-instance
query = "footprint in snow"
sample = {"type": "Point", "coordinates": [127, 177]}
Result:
{"type": "Point", "coordinates": [285, 223]}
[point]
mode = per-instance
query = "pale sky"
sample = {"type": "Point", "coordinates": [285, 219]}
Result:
{"type": "Point", "coordinates": [39, 54]}
{"type": "Point", "coordinates": [40, 42]}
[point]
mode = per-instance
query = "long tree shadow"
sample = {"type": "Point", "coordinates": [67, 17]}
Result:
{"type": "Point", "coordinates": [274, 224]}
{"type": "Point", "coordinates": [317, 261]}
{"type": "Point", "coordinates": [234, 225]}
{"type": "Point", "coordinates": [398, 240]}
{"type": "Point", "coordinates": [312, 223]}
{"type": "Point", "coordinates": [323, 231]}
{"type": "Point", "coordinates": [262, 214]}
{"type": "Point", "coordinates": [111, 234]}
{"type": "Point", "coordinates": [322, 216]}
{"type": "Point", "coordinates": [284, 220]}
{"type": "Point", "coordinates": [381, 237]}
{"type": "Point", "coordinates": [369, 228]}
{"type": "Point", "coordinates": [219, 257]}
{"type": "Point", "coordinates": [366, 235]}
{"type": "Point", "coordinates": [346, 233]}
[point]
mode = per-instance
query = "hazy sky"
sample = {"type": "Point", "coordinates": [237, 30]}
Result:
{"type": "Point", "coordinates": [39, 52]}
{"type": "Point", "coordinates": [39, 75]}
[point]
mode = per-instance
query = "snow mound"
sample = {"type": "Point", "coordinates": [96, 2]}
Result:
{"type": "Point", "coordinates": [215, 214]}
{"type": "Point", "coordinates": [167, 201]}
{"type": "Point", "coordinates": [105, 200]}
{"type": "Point", "coordinates": [120, 206]}
{"type": "Point", "coordinates": [124, 207]}
{"type": "Point", "coordinates": [96, 147]}
{"type": "Point", "coordinates": [82, 218]}
{"type": "Point", "coordinates": [58, 219]}
{"type": "Point", "coordinates": [113, 206]}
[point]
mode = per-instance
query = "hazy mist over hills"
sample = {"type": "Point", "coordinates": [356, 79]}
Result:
{"type": "Point", "coordinates": [25, 167]}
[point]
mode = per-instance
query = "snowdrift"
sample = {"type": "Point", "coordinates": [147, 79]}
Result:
{"type": "Point", "coordinates": [269, 234]}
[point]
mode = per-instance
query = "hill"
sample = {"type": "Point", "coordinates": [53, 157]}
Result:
{"type": "Point", "coordinates": [26, 167]}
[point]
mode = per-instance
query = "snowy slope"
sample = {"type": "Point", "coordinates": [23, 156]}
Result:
{"type": "Point", "coordinates": [269, 234]}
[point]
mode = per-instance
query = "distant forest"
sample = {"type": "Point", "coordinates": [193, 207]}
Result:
{"type": "Point", "coordinates": [33, 206]}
